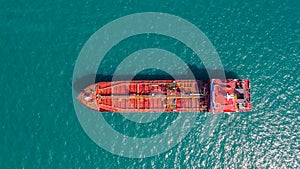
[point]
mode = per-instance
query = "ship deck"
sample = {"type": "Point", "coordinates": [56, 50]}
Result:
{"type": "Point", "coordinates": [168, 96]}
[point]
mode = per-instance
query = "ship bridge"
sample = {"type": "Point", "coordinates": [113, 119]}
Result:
{"type": "Point", "coordinates": [231, 95]}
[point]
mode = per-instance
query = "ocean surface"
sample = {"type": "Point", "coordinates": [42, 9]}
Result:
{"type": "Point", "coordinates": [41, 40]}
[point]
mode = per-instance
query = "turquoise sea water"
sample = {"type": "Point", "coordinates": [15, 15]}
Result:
{"type": "Point", "coordinates": [41, 40]}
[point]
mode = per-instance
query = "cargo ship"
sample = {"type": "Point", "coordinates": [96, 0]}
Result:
{"type": "Point", "coordinates": [230, 95]}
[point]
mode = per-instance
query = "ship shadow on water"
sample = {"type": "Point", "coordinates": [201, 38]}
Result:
{"type": "Point", "coordinates": [199, 73]}
{"type": "Point", "coordinates": [145, 129]}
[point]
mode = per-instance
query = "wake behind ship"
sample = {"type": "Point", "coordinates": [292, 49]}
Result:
{"type": "Point", "coordinates": [231, 95]}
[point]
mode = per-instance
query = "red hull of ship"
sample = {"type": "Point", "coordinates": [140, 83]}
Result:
{"type": "Point", "coordinates": [168, 96]}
